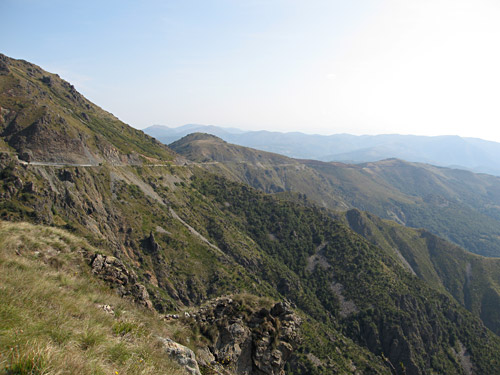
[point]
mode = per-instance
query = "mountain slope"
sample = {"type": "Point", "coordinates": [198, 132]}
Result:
{"type": "Point", "coordinates": [170, 247]}
{"type": "Point", "coordinates": [56, 318]}
{"type": "Point", "coordinates": [43, 118]}
{"type": "Point", "coordinates": [471, 280]}
{"type": "Point", "coordinates": [474, 281]}
{"type": "Point", "coordinates": [140, 210]}
{"type": "Point", "coordinates": [460, 206]}
{"type": "Point", "coordinates": [190, 237]}
{"type": "Point", "coordinates": [345, 265]}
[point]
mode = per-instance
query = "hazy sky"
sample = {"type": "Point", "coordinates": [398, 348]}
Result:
{"type": "Point", "coordinates": [358, 66]}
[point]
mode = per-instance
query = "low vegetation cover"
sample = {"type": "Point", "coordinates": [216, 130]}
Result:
{"type": "Point", "coordinates": [55, 318]}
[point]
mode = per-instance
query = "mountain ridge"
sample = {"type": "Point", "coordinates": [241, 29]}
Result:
{"type": "Point", "coordinates": [449, 151]}
{"type": "Point", "coordinates": [454, 204]}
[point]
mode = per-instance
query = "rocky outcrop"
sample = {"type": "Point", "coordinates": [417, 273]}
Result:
{"type": "Point", "coordinates": [248, 340]}
{"type": "Point", "coordinates": [182, 355]}
{"type": "Point", "coordinates": [4, 67]}
{"type": "Point", "coordinates": [151, 245]}
{"type": "Point", "coordinates": [113, 271]}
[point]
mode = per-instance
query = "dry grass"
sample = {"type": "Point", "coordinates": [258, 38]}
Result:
{"type": "Point", "coordinates": [50, 322]}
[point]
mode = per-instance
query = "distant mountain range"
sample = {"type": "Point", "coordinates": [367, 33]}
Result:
{"type": "Point", "coordinates": [448, 151]}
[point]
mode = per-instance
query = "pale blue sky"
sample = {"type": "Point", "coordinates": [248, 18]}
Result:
{"type": "Point", "coordinates": [325, 66]}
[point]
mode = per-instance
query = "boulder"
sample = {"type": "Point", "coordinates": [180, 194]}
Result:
{"type": "Point", "coordinates": [182, 355]}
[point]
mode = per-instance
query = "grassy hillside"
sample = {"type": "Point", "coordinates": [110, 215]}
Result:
{"type": "Point", "coordinates": [52, 319]}
{"type": "Point", "coordinates": [268, 251]}
{"type": "Point", "coordinates": [184, 268]}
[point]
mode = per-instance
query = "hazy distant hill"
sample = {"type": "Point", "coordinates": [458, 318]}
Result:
{"type": "Point", "coordinates": [449, 151]}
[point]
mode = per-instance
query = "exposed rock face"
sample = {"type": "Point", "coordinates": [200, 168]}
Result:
{"type": "Point", "coordinates": [48, 142]}
{"type": "Point", "coordinates": [152, 245]}
{"type": "Point", "coordinates": [4, 68]}
{"type": "Point", "coordinates": [249, 342]}
{"type": "Point", "coordinates": [113, 271]}
{"type": "Point", "coordinates": [183, 355]}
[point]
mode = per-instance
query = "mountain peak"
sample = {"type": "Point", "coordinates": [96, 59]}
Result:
{"type": "Point", "coordinates": [200, 137]}
{"type": "Point", "coordinates": [203, 147]}
{"type": "Point", "coordinates": [43, 118]}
